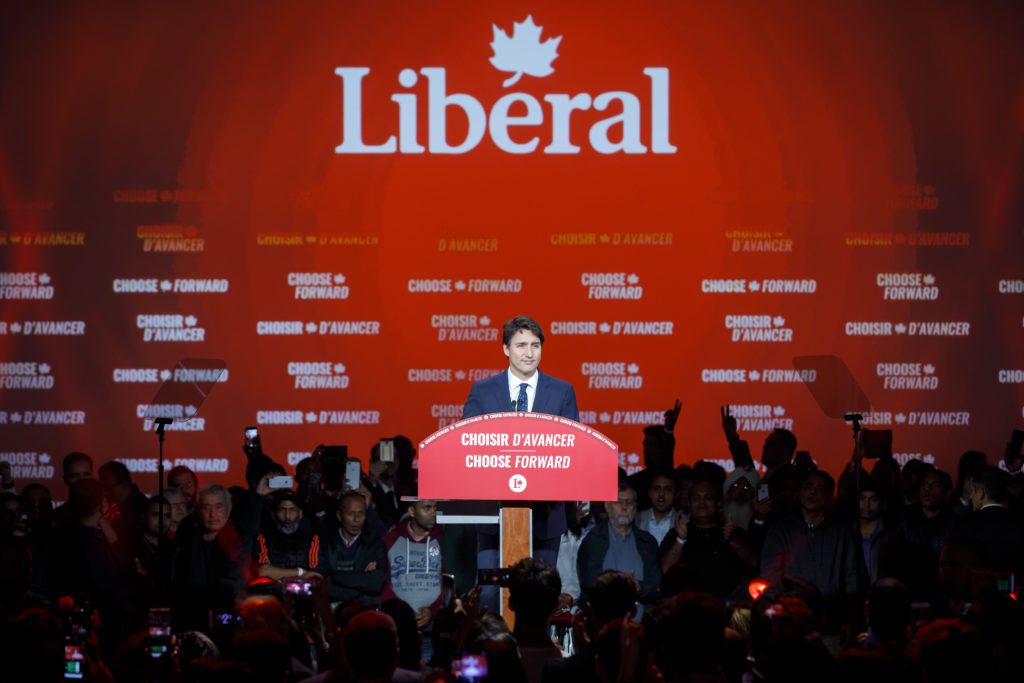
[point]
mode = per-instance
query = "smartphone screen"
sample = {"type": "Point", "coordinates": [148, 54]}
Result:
{"type": "Point", "coordinates": [352, 472]}
{"type": "Point", "coordinates": [251, 435]}
{"type": "Point", "coordinates": [387, 450]}
{"type": "Point", "coordinates": [471, 667]}
{"type": "Point", "coordinates": [763, 492]}
{"type": "Point", "coordinates": [159, 622]}
{"type": "Point", "coordinates": [297, 586]}
{"type": "Point", "coordinates": [74, 660]}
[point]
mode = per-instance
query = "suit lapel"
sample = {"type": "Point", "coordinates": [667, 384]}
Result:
{"type": "Point", "coordinates": [540, 401]}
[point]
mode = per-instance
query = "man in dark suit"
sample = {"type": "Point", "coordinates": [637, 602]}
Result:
{"type": "Point", "coordinates": [524, 387]}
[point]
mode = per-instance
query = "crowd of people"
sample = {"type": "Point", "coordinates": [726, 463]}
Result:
{"type": "Point", "coordinates": [783, 572]}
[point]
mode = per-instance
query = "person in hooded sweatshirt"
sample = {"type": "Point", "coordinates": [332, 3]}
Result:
{"type": "Point", "coordinates": [414, 566]}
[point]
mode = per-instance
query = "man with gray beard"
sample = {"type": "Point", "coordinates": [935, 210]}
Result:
{"type": "Point", "coordinates": [287, 546]}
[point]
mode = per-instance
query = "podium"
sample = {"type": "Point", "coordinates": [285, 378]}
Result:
{"type": "Point", "coordinates": [515, 459]}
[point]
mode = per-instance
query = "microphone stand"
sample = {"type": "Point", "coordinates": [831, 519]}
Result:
{"type": "Point", "coordinates": [161, 424]}
{"type": "Point", "coordinates": [855, 418]}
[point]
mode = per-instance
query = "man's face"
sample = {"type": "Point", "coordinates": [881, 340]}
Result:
{"type": "Point", "coordinates": [622, 512]}
{"type": "Point", "coordinates": [704, 507]}
{"type": "Point", "coordinates": [36, 501]}
{"type": "Point", "coordinates": [815, 494]}
{"type": "Point", "coordinates": [933, 491]}
{"type": "Point", "coordinates": [523, 351]}
{"type": "Point", "coordinates": [871, 505]}
{"type": "Point", "coordinates": [186, 483]}
{"type": "Point", "coordinates": [424, 512]}
{"type": "Point", "coordinates": [662, 493]}
{"type": "Point", "coordinates": [80, 469]}
{"type": "Point", "coordinates": [213, 510]}
{"type": "Point", "coordinates": [179, 505]}
{"type": "Point", "coordinates": [353, 516]}
{"type": "Point", "coordinates": [153, 518]}
{"type": "Point", "coordinates": [287, 516]}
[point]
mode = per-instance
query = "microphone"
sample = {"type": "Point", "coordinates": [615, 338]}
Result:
{"type": "Point", "coordinates": [852, 417]}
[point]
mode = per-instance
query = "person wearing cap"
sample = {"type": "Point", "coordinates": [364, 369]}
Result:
{"type": "Point", "coordinates": [287, 546]}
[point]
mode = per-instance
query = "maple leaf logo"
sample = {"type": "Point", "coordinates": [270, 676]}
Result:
{"type": "Point", "coordinates": [15, 238]}
{"type": "Point", "coordinates": [753, 285]}
{"type": "Point", "coordinates": [605, 328]}
{"type": "Point", "coordinates": [191, 321]}
{"type": "Point", "coordinates": [633, 368]}
{"type": "Point", "coordinates": [605, 239]}
{"type": "Point", "coordinates": [928, 369]}
{"type": "Point", "coordinates": [15, 328]}
{"type": "Point", "coordinates": [900, 328]}
{"type": "Point", "coordinates": [633, 278]}
{"type": "Point", "coordinates": [44, 279]}
{"type": "Point", "coordinates": [339, 279]}
{"type": "Point", "coordinates": [311, 238]}
{"type": "Point", "coordinates": [460, 285]}
{"type": "Point", "coordinates": [754, 375]}
{"type": "Point", "coordinates": [310, 328]}
{"type": "Point", "coordinates": [929, 458]}
{"type": "Point", "coordinates": [899, 418]}
{"type": "Point", "coordinates": [15, 417]}
{"type": "Point", "coordinates": [166, 285]}
{"type": "Point", "coordinates": [929, 279]}
{"type": "Point", "coordinates": [605, 417]}
{"type": "Point", "coordinates": [779, 321]}
{"type": "Point", "coordinates": [44, 458]}
{"type": "Point", "coordinates": [779, 411]}
{"type": "Point", "coordinates": [460, 374]}
{"type": "Point", "coordinates": [484, 320]}
{"type": "Point", "coordinates": [339, 368]}
{"type": "Point", "coordinates": [190, 411]}
{"type": "Point", "coordinates": [632, 458]}
{"type": "Point", "coordinates": [311, 416]}
{"type": "Point", "coordinates": [165, 375]}
{"type": "Point", "coordinates": [523, 53]}
{"type": "Point", "coordinates": [44, 368]}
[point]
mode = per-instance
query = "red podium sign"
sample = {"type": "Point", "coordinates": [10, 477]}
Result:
{"type": "Point", "coordinates": [518, 456]}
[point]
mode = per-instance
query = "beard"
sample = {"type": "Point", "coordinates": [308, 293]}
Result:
{"type": "Point", "coordinates": [740, 512]}
{"type": "Point", "coordinates": [287, 528]}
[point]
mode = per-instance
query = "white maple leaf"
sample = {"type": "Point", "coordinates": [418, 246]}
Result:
{"type": "Point", "coordinates": [165, 375]}
{"type": "Point", "coordinates": [779, 411]}
{"type": "Point", "coordinates": [15, 417]}
{"type": "Point", "coordinates": [633, 368]}
{"type": "Point", "coordinates": [928, 369]}
{"type": "Point", "coordinates": [899, 418]}
{"type": "Point", "coordinates": [339, 368]}
{"type": "Point", "coordinates": [523, 53]}
{"type": "Point", "coordinates": [929, 279]}
{"type": "Point", "coordinates": [44, 279]}
{"type": "Point", "coordinates": [779, 321]}
{"type": "Point", "coordinates": [900, 328]}
{"type": "Point", "coordinates": [484, 320]}
{"type": "Point", "coordinates": [460, 374]}
{"type": "Point", "coordinates": [44, 458]}
{"type": "Point", "coordinates": [339, 278]}
{"type": "Point", "coordinates": [754, 375]}
{"type": "Point", "coordinates": [311, 238]}
{"type": "Point", "coordinates": [605, 239]}
{"type": "Point", "coordinates": [15, 328]}
{"type": "Point", "coordinates": [191, 321]}
{"type": "Point", "coordinates": [605, 328]}
{"type": "Point", "coordinates": [605, 417]}
{"type": "Point", "coordinates": [632, 458]}
{"type": "Point", "coordinates": [310, 328]}
{"type": "Point", "coordinates": [929, 458]}
{"type": "Point", "coordinates": [311, 416]}
{"type": "Point", "coordinates": [166, 285]}
{"type": "Point", "coordinates": [753, 285]}
{"type": "Point", "coordinates": [459, 285]}
{"type": "Point", "coordinates": [44, 368]}
{"type": "Point", "coordinates": [633, 278]}
{"type": "Point", "coordinates": [190, 411]}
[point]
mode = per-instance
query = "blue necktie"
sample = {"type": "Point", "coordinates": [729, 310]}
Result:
{"type": "Point", "coordinates": [522, 403]}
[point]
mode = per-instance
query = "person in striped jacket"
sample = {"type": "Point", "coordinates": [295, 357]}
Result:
{"type": "Point", "coordinates": [288, 546]}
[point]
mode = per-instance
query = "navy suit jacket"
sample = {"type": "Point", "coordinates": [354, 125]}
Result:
{"type": "Point", "coordinates": [491, 395]}
{"type": "Point", "coordinates": [553, 397]}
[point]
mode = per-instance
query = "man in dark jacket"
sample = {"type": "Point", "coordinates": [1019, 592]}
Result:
{"type": "Point", "coordinates": [287, 546]}
{"type": "Point", "coordinates": [620, 545]}
{"type": "Point", "coordinates": [353, 562]}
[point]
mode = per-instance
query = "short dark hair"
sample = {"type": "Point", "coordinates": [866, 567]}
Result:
{"type": "Point", "coordinates": [822, 474]}
{"type": "Point", "coordinates": [371, 644]}
{"type": "Point", "coordinates": [118, 470]}
{"type": "Point", "coordinates": [534, 587]}
{"type": "Point", "coordinates": [994, 482]}
{"type": "Point", "coordinates": [71, 458]}
{"type": "Point", "coordinates": [612, 595]}
{"type": "Point", "coordinates": [281, 496]}
{"type": "Point", "coordinates": [520, 322]}
{"type": "Point", "coordinates": [182, 469]}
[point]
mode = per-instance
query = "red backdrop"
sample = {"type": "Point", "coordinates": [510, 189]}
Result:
{"type": "Point", "coordinates": [818, 148]}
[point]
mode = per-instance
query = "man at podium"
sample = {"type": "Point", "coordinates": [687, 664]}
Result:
{"type": "Point", "coordinates": [524, 387]}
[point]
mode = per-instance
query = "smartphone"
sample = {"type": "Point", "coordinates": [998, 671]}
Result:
{"type": "Point", "coordinates": [294, 585]}
{"type": "Point", "coordinates": [876, 443]}
{"type": "Point", "coordinates": [470, 667]}
{"type": "Point", "coordinates": [74, 659]}
{"type": "Point", "coordinates": [740, 451]}
{"type": "Point", "coordinates": [492, 577]}
{"type": "Point", "coordinates": [281, 482]}
{"type": "Point", "coordinates": [447, 588]}
{"type": "Point", "coordinates": [226, 617]}
{"type": "Point", "coordinates": [252, 435]}
{"type": "Point", "coordinates": [332, 461]}
{"type": "Point", "coordinates": [763, 493]}
{"type": "Point", "coordinates": [387, 450]}
{"type": "Point", "coordinates": [315, 480]}
{"type": "Point", "coordinates": [353, 470]}
{"type": "Point", "coordinates": [159, 622]}
{"type": "Point", "coordinates": [1006, 582]}
{"type": "Point", "coordinates": [1016, 442]}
